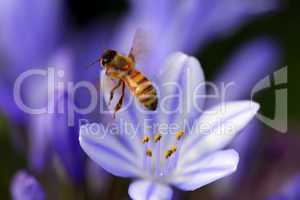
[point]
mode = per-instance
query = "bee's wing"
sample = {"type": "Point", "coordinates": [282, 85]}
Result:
{"type": "Point", "coordinates": [140, 45]}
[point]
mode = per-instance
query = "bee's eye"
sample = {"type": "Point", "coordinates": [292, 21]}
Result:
{"type": "Point", "coordinates": [108, 56]}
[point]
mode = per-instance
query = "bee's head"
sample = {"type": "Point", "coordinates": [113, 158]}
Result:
{"type": "Point", "coordinates": [107, 57]}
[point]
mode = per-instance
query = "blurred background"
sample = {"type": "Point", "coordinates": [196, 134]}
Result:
{"type": "Point", "coordinates": [235, 40]}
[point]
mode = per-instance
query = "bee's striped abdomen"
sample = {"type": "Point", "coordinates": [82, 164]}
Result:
{"type": "Point", "coordinates": [143, 89]}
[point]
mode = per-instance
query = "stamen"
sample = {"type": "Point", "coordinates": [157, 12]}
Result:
{"type": "Point", "coordinates": [170, 152]}
{"type": "Point", "coordinates": [149, 162]}
{"type": "Point", "coordinates": [176, 156]}
{"type": "Point", "coordinates": [173, 149]}
{"type": "Point", "coordinates": [157, 137]}
{"type": "Point", "coordinates": [146, 139]}
{"type": "Point", "coordinates": [179, 135]}
{"type": "Point", "coordinates": [153, 162]}
{"type": "Point", "coordinates": [149, 152]}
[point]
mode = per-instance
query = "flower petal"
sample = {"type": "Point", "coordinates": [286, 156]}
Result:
{"type": "Point", "coordinates": [97, 179]}
{"type": "Point", "coordinates": [64, 141]}
{"type": "Point", "coordinates": [108, 152]}
{"type": "Point", "coordinates": [181, 75]}
{"type": "Point", "coordinates": [148, 190]}
{"type": "Point", "coordinates": [203, 21]}
{"type": "Point", "coordinates": [216, 128]}
{"type": "Point", "coordinates": [41, 28]}
{"type": "Point", "coordinates": [129, 114]}
{"type": "Point", "coordinates": [7, 103]}
{"type": "Point", "coordinates": [206, 170]}
{"type": "Point", "coordinates": [181, 79]}
{"type": "Point", "coordinates": [39, 149]}
{"type": "Point", "coordinates": [54, 132]}
{"type": "Point", "coordinates": [26, 187]}
{"type": "Point", "coordinates": [207, 20]}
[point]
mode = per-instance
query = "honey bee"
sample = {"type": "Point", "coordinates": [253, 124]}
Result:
{"type": "Point", "coordinates": [122, 68]}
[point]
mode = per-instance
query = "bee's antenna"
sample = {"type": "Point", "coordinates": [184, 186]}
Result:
{"type": "Point", "coordinates": [92, 63]}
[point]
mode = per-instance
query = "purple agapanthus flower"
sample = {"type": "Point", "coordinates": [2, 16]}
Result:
{"type": "Point", "coordinates": [30, 39]}
{"type": "Point", "coordinates": [187, 25]}
{"type": "Point", "coordinates": [26, 187]}
{"type": "Point", "coordinates": [51, 134]}
{"type": "Point", "coordinates": [30, 32]}
{"type": "Point", "coordinates": [158, 157]}
{"type": "Point", "coordinates": [290, 190]}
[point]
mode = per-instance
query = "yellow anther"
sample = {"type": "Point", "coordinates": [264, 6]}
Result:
{"type": "Point", "coordinates": [149, 152]}
{"type": "Point", "coordinates": [170, 152]}
{"type": "Point", "coordinates": [173, 148]}
{"type": "Point", "coordinates": [179, 135]}
{"type": "Point", "coordinates": [157, 137]}
{"type": "Point", "coordinates": [146, 139]}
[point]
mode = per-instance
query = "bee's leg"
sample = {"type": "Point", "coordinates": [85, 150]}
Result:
{"type": "Point", "coordinates": [113, 90]}
{"type": "Point", "coordinates": [121, 100]}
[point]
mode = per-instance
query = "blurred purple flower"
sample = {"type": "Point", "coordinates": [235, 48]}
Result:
{"type": "Point", "coordinates": [249, 63]}
{"type": "Point", "coordinates": [98, 180]}
{"type": "Point", "coordinates": [256, 59]}
{"type": "Point", "coordinates": [186, 25]}
{"type": "Point", "coordinates": [26, 187]}
{"type": "Point", "coordinates": [30, 31]}
{"type": "Point", "coordinates": [30, 36]}
{"type": "Point", "coordinates": [290, 191]}
{"type": "Point", "coordinates": [51, 133]}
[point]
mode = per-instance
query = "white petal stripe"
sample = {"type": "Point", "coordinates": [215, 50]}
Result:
{"type": "Point", "coordinates": [110, 154]}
